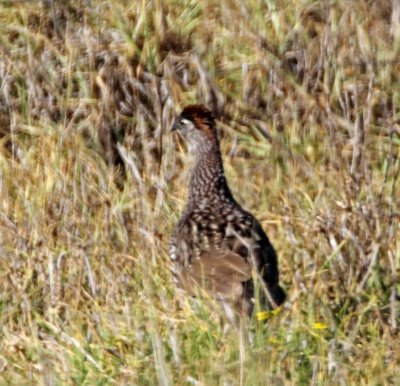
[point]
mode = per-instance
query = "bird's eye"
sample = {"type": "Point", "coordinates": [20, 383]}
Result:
{"type": "Point", "coordinates": [184, 121]}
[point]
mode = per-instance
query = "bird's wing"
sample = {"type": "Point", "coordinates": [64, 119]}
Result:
{"type": "Point", "coordinates": [253, 245]}
{"type": "Point", "coordinates": [224, 268]}
{"type": "Point", "coordinates": [219, 273]}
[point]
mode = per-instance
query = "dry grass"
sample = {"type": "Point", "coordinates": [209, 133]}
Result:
{"type": "Point", "coordinates": [91, 183]}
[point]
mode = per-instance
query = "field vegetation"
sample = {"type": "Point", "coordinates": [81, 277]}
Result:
{"type": "Point", "coordinates": [307, 96]}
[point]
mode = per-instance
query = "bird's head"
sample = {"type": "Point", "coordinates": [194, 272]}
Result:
{"type": "Point", "coordinates": [197, 125]}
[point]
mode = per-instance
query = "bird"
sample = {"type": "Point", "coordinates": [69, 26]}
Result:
{"type": "Point", "coordinates": [216, 245]}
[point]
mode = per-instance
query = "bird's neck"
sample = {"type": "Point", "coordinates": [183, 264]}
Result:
{"type": "Point", "coordinates": [208, 182]}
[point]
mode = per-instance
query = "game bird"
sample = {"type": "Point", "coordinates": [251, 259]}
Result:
{"type": "Point", "coordinates": [217, 246]}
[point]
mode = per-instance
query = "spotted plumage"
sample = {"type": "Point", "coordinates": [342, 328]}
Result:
{"type": "Point", "coordinates": [217, 245]}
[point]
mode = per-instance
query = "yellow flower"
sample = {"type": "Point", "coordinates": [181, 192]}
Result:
{"type": "Point", "coordinates": [265, 315]}
{"type": "Point", "coordinates": [319, 326]}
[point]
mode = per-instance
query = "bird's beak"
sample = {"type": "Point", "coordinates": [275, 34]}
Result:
{"type": "Point", "coordinates": [175, 126]}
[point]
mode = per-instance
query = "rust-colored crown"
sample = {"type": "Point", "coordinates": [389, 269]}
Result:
{"type": "Point", "coordinates": [202, 117]}
{"type": "Point", "coordinates": [193, 112]}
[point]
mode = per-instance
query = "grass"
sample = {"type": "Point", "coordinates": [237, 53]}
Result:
{"type": "Point", "coordinates": [92, 183]}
